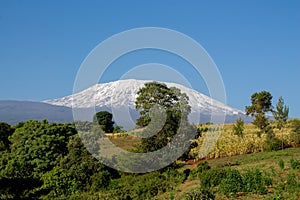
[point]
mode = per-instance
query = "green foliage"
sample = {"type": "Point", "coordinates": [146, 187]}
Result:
{"type": "Point", "coordinates": [239, 127]}
{"type": "Point", "coordinates": [200, 194]}
{"type": "Point", "coordinates": [5, 132]}
{"type": "Point", "coordinates": [202, 167]}
{"type": "Point", "coordinates": [35, 149]}
{"type": "Point", "coordinates": [104, 119]}
{"type": "Point", "coordinates": [261, 122]}
{"type": "Point", "coordinates": [83, 126]}
{"type": "Point", "coordinates": [272, 143]}
{"type": "Point", "coordinates": [145, 186]}
{"type": "Point", "coordinates": [37, 146]}
{"type": "Point", "coordinates": [212, 177]}
{"type": "Point", "coordinates": [100, 180]}
{"type": "Point", "coordinates": [255, 182]}
{"type": "Point", "coordinates": [83, 166]}
{"type": "Point", "coordinates": [118, 129]}
{"type": "Point", "coordinates": [162, 110]}
{"type": "Point", "coordinates": [295, 164]}
{"type": "Point", "coordinates": [60, 182]}
{"type": "Point", "coordinates": [288, 189]}
{"type": "Point", "coordinates": [158, 94]}
{"type": "Point", "coordinates": [281, 164]}
{"type": "Point", "coordinates": [231, 183]}
{"type": "Point", "coordinates": [291, 180]}
{"type": "Point", "coordinates": [260, 104]}
{"type": "Point", "coordinates": [281, 113]}
{"type": "Point", "coordinates": [49, 161]}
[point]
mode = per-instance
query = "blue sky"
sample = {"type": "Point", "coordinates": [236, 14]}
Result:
{"type": "Point", "coordinates": [255, 44]}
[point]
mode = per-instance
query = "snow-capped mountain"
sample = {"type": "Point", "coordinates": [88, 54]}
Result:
{"type": "Point", "coordinates": [122, 94]}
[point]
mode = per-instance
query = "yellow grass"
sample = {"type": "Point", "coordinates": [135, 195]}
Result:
{"type": "Point", "coordinates": [229, 144]}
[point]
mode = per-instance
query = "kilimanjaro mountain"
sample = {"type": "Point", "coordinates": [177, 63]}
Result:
{"type": "Point", "coordinates": [119, 97]}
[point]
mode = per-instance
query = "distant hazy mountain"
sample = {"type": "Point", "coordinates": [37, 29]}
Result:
{"type": "Point", "coordinates": [14, 112]}
{"type": "Point", "coordinates": [117, 97]}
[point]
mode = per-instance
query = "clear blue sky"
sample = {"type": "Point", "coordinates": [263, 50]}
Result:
{"type": "Point", "coordinates": [255, 44]}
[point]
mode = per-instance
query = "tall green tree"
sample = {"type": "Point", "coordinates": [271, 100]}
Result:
{"type": "Point", "coordinates": [158, 94]}
{"type": "Point", "coordinates": [166, 108]}
{"type": "Point", "coordinates": [261, 103]}
{"type": "Point", "coordinates": [104, 119]}
{"type": "Point", "coordinates": [281, 115]}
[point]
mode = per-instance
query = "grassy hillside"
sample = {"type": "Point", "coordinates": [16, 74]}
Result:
{"type": "Point", "coordinates": [266, 162]}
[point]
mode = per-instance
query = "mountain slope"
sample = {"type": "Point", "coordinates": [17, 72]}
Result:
{"type": "Point", "coordinates": [120, 95]}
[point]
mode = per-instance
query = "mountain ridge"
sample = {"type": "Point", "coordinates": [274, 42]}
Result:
{"type": "Point", "coordinates": [107, 94]}
{"type": "Point", "coordinates": [117, 97]}
{"type": "Point", "coordinates": [121, 95]}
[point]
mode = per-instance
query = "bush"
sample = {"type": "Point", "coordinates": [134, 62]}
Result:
{"type": "Point", "coordinates": [212, 177]}
{"type": "Point", "coordinates": [289, 189]}
{"type": "Point", "coordinates": [59, 182]}
{"type": "Point", "coordinates": [254, 181]}
{"type": "Point", "coordinates": [145, 186]}
{"type": "Point", "coordinates": [291, 181]}
{"type": "Point", "coordinates": [231, 183]}
{"type": "Point", "coordinates": [295, 164]}
{"type": "Point", "coordinates": [200, 194]}
{"type": "Point", "coordinates": [100, 180]}
{"type": "Point", "coordinates": [202, 166]}
{"type": "Point", "coordinates": [273, 144]}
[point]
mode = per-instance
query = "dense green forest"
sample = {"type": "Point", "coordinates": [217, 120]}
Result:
{"type": "Point", "coordinates": [42, 160]}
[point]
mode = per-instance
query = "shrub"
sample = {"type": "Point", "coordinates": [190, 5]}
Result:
{"type": "Point", "coordinates": [295, 164]}
{"type": "Point", "coordinates": [254, 181]}
{"type": "Point", "coordinates": [231, 183]}
{"type": "Point", "coordinates": [100, 180]}
{"type": "Point", "coordinates": [202, 166]}
{"type": "Point", "coordinates": [289, 189]}
{"type": "Point", "coordinates": [59, 182]}
{"type": "Point", "coordinates": [291, 181]}
{"type": "Point", "coordinates": [273, 144]}
{"type": "Point", "coordinates": [212, 177]}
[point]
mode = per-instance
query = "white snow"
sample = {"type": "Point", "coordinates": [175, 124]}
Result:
{"type": "Point", "coordinates": [123, 93]}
